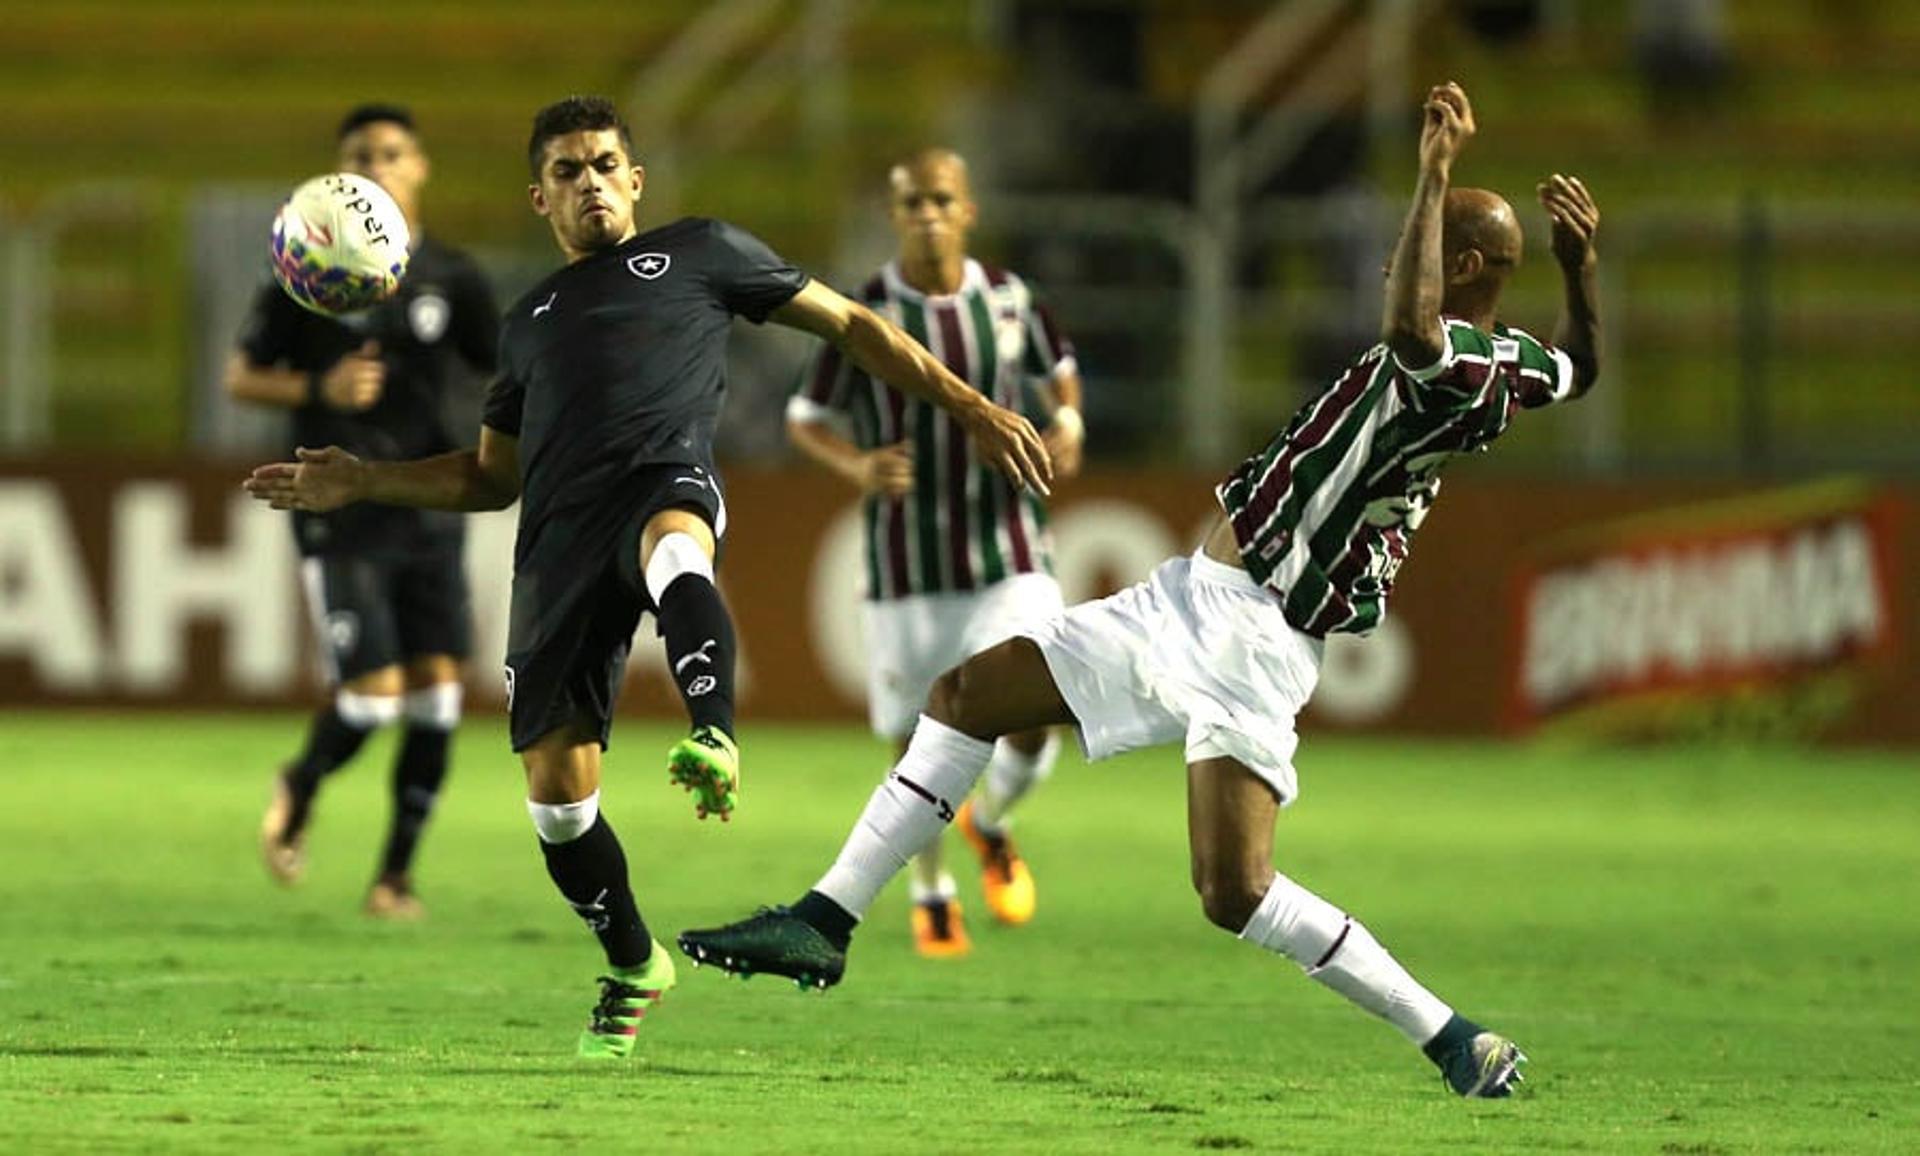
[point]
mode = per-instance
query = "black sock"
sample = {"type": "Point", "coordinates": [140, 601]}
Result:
{"type": "Point", "coordinates": [827, 917]}
{"type": "Point", "coordinates": [417, 775]}
{"type": "Point", "coordinates": [1456, 1031]}
{"type": "Point", "coordinates": [700, 649]}
{"type": "Point", "coordinates": [591, 873]}
{"type": "Point", "coordinates": [331, 741]}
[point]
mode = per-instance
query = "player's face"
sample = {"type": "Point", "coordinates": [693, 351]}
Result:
{"type": "Point", "coordinates": [587, 191]}
{"type": "Point", "coordinates": [388, 155]}
{"type": "Point", "coordinates": [932, 209]}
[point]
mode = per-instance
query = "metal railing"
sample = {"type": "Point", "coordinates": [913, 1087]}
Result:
{"type": "Point", "coordinates": [1758, 337]}
{"type": "Point", "coordinates": [755, 55]}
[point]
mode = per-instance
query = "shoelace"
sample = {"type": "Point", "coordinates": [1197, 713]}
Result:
{"type": "Point", "coordinates": [999, 856]}
{"type": "Point", "coordinates": [608, 1011]}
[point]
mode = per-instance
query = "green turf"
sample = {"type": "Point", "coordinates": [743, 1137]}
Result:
{"type": "Point", "coordinates": [1704, 952]}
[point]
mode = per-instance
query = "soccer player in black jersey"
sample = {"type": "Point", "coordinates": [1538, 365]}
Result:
{"type": "Point", "coordinates": [386, 585]}
{"type": "Point", "coordinates": [601, 424]}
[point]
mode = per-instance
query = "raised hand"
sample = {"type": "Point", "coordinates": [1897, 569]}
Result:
{"type": "Point", "coordinates": [1446, 127]}
{"type": "Point", "coordinates": [320, 480]}
{"type": "Point", "coordinates": [1008, 442]}
{"type": "Point", "coordinates": [1575, 219]}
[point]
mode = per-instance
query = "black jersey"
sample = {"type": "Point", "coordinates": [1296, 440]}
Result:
{"type": "Point", "coordinates": [618, 362]}
{"type": "Point", "coordinates": [442, 314]}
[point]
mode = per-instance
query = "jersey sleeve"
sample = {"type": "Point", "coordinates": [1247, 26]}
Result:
{"type": "Point", "coordinates": [506, 397]}
{"type": "Point", "coordinates": [1464, 369]}
{"type": "Point", "coordinates": [750, 278]}
{"type": "Point", "coordinates": [1542, 374]}
{"type": "Point", "coordinates": [1049, 351]}
{"type": "Point", "coordinates": [476, 319]}
{"type": "Point", "coordinates": [270, 334]}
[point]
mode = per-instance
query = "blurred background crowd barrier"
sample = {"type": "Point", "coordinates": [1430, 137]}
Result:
{"type": "Point", "coordinates": [1206, 194]}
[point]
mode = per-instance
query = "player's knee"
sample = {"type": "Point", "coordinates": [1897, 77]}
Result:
{"type": "Point", "coordinates": [955, 701]}
{"type": "Point", "coordinates": [1228, 894]}
{"type": "Point", "coordinates": [943, 698]}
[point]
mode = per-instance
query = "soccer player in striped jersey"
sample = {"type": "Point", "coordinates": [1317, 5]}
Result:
{"type": "Point", "coordinates": [957, 558]}
{"type": "Point", "coordinates": [1222, 649]}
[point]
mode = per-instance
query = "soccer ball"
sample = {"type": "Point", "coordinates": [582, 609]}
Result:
{"type": "Point", "coordinates": [339, 244]}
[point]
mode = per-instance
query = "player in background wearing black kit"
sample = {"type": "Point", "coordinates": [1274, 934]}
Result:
{"type": "Point", "coordinates": [386, 585]}
{"type": "Point", "coordinates": [601, 424]}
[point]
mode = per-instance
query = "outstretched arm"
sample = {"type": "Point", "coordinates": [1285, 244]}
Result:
{"type": "Point", "coordinates": [326, 479]}
{"type": "Point", "coordinates": [1416, 281]}
{"type": "Point", "coordinates": [1003, 438]}
{"type": "Point", "coordinates": [1575, 218]}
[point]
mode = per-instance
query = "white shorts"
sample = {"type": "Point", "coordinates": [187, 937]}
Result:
{"type": "Point", "coordinates": [912, 641]}
{"type": "Point", "coordinates": [1197, 652]}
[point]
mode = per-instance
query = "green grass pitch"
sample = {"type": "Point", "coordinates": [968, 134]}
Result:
{"type": "Point", "coordinates": [1704, 951]}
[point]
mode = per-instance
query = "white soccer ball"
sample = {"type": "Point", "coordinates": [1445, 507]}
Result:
{"type": "Point", "coordinates": [339, 244]}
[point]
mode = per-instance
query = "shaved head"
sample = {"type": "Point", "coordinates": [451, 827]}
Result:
{"type": "Point", "coordinates": [928, 163]}
{"type": "Point", "coordinates": [930, 204]}
{"type": "Point", "coordinates": [1483, 220]}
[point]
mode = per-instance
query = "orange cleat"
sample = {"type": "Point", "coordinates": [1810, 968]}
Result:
{"type": "Point", "coordinates": [938, 931]}
{"type": "Point", "coordinates": [1003, 874]}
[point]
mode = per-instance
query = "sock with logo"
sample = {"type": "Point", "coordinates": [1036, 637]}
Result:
{"type": "Point", "coordinates": [700, 649]}
{"type": "Point", "coordinates": [587, 864]}
{"type": "Point", "coordinates": [909, 809]}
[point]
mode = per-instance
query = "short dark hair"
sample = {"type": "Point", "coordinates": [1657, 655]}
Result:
{"type": "Point", "coordinates": [375, 112]}
{"type": "Point", "coordinates": [574, 114]}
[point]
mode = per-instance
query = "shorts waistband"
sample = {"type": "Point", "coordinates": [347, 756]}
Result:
{"type": "Point", "coordinates": [1206, 569]}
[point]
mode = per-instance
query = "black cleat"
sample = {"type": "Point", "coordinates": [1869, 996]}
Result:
{"type": "Point", "coordinates": [1476, 1063]}
{"type": "Point", "coordinates": [772, 941]}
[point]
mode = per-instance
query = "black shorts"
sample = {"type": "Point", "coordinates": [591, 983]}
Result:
{"type": "Point", "coordinates": [374, 612]}
{"type": "Point", "coordinates": [577, 599]}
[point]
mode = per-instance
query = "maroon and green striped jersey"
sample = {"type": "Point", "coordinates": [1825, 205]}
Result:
{"type": "Point", "coordinates": [1326, 513]}
{"type": "Point", "coordinates": [964, 526]}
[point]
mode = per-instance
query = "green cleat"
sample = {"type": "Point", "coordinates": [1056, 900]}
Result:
{"type": "Point", "coordinates": [625, 997]}
{"type": "Point", "coordinates": [773, 941]}
{"type": "Point", "coordinates": [707, 763]}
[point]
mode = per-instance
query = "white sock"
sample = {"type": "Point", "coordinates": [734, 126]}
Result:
{"type": "Point", "coordinates": [941, 888]}
{"type": "Point", "coordinates": [1011, 774]}
{"type": "Point", "coordinates": [366, 711]}
{"type": "Point", "coordinates": [673, 555]}
{"type": "Point", "coordinates": [1337, 951]}
{"type": "Point", "coordinates": [436, 706]}
{"type": "Point", "coordinates": [910, 809]}
{"type": "Point", "coordinates": [564, 822]}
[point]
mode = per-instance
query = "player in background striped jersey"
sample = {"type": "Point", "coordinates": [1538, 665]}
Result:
{"type": "Point", "coordinates": [1222, 649]}
{"type": "Point", "coordinates": [957, 559]}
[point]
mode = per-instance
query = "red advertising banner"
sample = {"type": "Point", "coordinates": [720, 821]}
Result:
{"type": "Point", "coordinates": [1760, 613]}
{"type": "Point", "coordinates": [1621, 607]}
